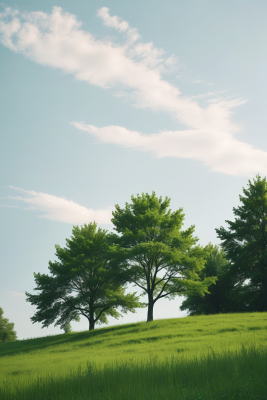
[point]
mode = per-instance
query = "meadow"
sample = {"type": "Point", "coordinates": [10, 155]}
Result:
{"type": "Point", "coordinates": [206, 357]}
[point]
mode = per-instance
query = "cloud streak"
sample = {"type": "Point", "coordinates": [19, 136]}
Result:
{"type": "Point", "coordinates": [8, 206]}
{"type": "Point", "coordinates": [220, 151]}
{"type": "Point", "coordinates": [113, 22]}
{"type": "Point", "coordinates": [62, 210]}
{"type": "Point", "coordinates": [135, 70]}
{"type": "Point", "coordinates": [57, 40]}
{"type": "Point", "coordinates": [15, 293]}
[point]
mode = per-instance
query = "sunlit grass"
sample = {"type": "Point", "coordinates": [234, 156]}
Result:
{"type": "Point", "coordinates": [203, 357]}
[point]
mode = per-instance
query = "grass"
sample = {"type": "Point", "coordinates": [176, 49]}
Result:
{"type": "Point", "coordinates": [209, 357]}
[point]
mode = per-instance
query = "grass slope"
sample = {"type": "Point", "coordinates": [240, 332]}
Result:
{"type": "Point", "coordinates": [208, 357]}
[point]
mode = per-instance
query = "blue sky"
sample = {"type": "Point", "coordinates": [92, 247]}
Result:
{"type": "Point", "coordinates": [100, 101]}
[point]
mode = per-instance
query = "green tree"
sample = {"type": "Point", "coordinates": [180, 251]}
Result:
{"type": "Point", "coordinates": [7, 333]}
{"type": "Point", "coordinates": [220, 299]}
{"type": "Point", "coordinates": [163, 260]}
{"type": "Point", "coordinates": [85, 281]}
{"type": "Point", "coordinates": [67, 328]}
{"type": "Point", "coordinates": [245, 245]}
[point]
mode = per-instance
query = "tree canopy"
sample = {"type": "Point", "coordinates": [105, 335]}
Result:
{"type": "Point", "coordinates": [7, 332]}
{"type": "Point", "coordinates": [67, 328]}
{"type": "Point", "coordinates": [85, 281]}
{"type": "Point", "coordinates": [245, 244]}
{"type": "Point", "coordinates": [163, 260]}
{"type": "Point", "coordinates": [220, 299]}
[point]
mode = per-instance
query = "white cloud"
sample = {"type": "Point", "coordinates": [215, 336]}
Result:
{"type": "Point", "coordinates": [118, 23]}
{"type": "Point", "coordinates": [15, 293]}
{"type": "Point", "coordinates": [57, 40]}
{"type": "Point", "coordinates": [218, 150]}
{"type": "Point", "coordinates": [63, 210]}
{"type": "Point", "coordinates": [10, 28]}
{"type": "Point", "coordinates": [112, 22]}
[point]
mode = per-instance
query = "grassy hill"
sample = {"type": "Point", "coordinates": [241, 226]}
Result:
{"type": "Point", "coordinates": [209, 357]}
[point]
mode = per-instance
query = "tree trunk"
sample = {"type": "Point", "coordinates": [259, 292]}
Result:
{"type": "Point", "coordinates": [91, 323]}
{"type": "Point", "coordinates": [150, 308]}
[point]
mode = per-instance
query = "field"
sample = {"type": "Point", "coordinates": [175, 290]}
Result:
{"type": "Point", "coordinates": [208, 357]}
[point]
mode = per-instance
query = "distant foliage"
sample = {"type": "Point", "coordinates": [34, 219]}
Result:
{"type": "Point", "coordinates": [245, 246]}
{"type": "Point", "coordinates": [241, 265]}
{"type": "Point", "coordinates": [67, 328]}
{"type": "Point", "coordinates": [222, 295]}
{"type": "Point", "coordinates": [7, 333]}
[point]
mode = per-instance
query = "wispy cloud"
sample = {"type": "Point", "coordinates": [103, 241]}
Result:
{"type": "Point", "coordinates": [8, 206]}
{"type": "Point", "coordinates": [62, 210]}
{"type": "Point", "coordinates": [15, 293]}
{"type": "Point", "coordinates": [112, 22]}
{"type": "Point", "coordinates": [57, 40]}
{"type": "Point", "coordinates": [218, 150]}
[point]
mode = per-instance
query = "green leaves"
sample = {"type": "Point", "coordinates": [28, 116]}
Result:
{"type": "Point", "coordinates": [163, 260]}
{"type": "Point", "coordinates": [87, 280]}
{"type": "Point", "coordinates": [7, 333]}
{"type": "Point", "coordinates": [245, 242]}
{"type": "Point", "coordinates": [150, 250]}
{"type": "Point", "coordinates": [218, 297]}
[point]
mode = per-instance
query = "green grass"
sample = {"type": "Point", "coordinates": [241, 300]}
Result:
{"type": "Point", "coordinates": [209, 357]}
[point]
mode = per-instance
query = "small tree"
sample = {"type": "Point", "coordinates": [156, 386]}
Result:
{"type": "Point", "coordinates": [245, 245]}
{"type": "Point", "coordinates": [67, 328]}
{"type": "Point", "coordinates": [85, 281]}
{"type": "Point", "coordinates": [220, 298]}
{"type": "Point", "coordinates": [163, 260]}
{"type": "Point", "coordinates": [7, 333]}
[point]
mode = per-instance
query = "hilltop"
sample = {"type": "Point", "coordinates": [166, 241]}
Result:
{"type": "Point", "coordinates": [189, 341]}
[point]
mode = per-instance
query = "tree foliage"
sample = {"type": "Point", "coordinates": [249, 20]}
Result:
{"type": "Point", "coordinates": [221, 298]}
{"type": "Point", "coordinates": [85, 281]}
{"type": "Point", "coordinates": [67, 328]}
{"type": "Point", "coordinates": [245, 245]}
{"type": "Point", "coordinates": [7, 332]}
{"type": "Point", "coordinates": [163, 260]}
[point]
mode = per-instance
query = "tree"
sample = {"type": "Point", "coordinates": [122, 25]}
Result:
{"type": "Point", "coordinates": [220, 299]}
{"type": "Point", "coordinates": [85, 281]}
{"type": "Point", "coordinates": [163, 260]}
{"type": "Point", "coordinates": [245, 245]}
{"type": "Point", "coordinates": [7, 333]}
{"type": "Point", "coordinates": [67, 328]}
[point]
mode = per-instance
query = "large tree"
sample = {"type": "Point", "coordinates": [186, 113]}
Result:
{"type": "Point", "coordinates": [220, 299]}
{"type": "Point", "coordinates": [245, 244]}
{"type": "Point", "coordinates": [85, 281]}
{"type": "Point", "coordinates": [163, 260]}
{"type": "Point", "coordinates": [7, 333]}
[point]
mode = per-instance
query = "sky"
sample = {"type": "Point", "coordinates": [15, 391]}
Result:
{"type": "Point", "coordinates": [103, 100]}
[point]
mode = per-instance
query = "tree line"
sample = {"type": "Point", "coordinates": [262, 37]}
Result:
{"type": "Point", "coordinates": [150, 250]}
{"type": "Point", "coordinates": [241, 263]}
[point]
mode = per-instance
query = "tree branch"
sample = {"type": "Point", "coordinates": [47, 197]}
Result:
{"type": "Point", "coordinates": [104, 309]}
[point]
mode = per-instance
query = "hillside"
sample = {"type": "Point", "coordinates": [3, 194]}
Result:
{"type": "Point", "coordinates": [221, 343]}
